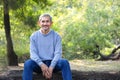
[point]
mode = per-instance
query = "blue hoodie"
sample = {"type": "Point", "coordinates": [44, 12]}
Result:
{"type": "Point", "coordinates": [45, 47]}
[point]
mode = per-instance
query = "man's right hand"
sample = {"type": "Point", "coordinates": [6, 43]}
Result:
{"type": "Point", "coordinates": [45, 70]}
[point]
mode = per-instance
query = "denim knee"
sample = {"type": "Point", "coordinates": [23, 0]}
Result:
{"type": "Point", "coordinates": [65, 62]}
{"type": "Point", "coordinates": [28, 64]}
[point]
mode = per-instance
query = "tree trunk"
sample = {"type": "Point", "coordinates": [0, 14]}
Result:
{"type": "Point", "coordinates": [11, 56]}
{"type": "Point", "coordinates": [111, 56]}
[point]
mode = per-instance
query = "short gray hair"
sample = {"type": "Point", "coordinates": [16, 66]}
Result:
{"type": "Point", "coordinates": [44, 15]}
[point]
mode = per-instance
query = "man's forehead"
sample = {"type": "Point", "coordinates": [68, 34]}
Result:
{"type": "Point", "coordinates": [45, 18]}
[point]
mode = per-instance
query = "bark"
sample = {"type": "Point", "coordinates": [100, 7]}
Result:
{"type": "Point", "coordinates": [11, 56]}
{"type": "Point", "coordinates": [112, 56]}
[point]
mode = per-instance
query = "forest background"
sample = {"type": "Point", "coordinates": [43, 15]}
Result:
{"type": "Point", "coordinates": [82, 24]}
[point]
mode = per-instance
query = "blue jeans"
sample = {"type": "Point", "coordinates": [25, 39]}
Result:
{"type": "Point", "coordinates": [62, 65]}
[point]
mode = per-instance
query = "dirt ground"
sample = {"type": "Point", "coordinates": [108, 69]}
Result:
{"type": "Point", "coordinates": [81, 70]}
{"type": "Point", "coordinates": [92, 65]}
{"type": "Point", "coordinates": [84, 65]}
{"type": "Point", "coordinates": [95, 70]}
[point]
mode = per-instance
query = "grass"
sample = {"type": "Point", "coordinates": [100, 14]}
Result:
{"type": "Point", "coordinates": [91, 65]}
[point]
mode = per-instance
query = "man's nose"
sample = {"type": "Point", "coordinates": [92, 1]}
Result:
{"type": "Point", "coordinates": [45, 23]}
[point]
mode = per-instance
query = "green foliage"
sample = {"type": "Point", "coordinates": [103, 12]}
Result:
{"type": "Point", "coordinates": [30, 11]}
{"type": "Point", "coordinates": [15, 4]}
{"type": "Point", "coordinates": [2, 43]}
{"type": "Point", "coordinates": [82, 25]}
{"type": "Point", "coordinates": [21, 43]}
{"type": "Point", "coordinates": [81, 35]}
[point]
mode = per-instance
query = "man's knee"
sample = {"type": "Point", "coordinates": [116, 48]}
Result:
{"type": "Point", "coordinates": [28, 63]}
{"type": "Point", "coordinates": [64, 62]}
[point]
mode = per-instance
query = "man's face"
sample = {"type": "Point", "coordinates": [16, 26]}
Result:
{"type": "Point", "coordinates": [45, 23]}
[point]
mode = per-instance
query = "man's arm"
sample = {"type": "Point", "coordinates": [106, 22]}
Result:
{"type": "Point", "coordinates": [57, 52]}
{"type": "Point", "coordinates": [34, 52]}
{"type": "Point", "coordinates": [57, 56]}
{"type": "Point", "coordinates": [34, 56]}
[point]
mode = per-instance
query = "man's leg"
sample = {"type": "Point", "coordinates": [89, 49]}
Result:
{"type": "Point", "coordinates": [29, 67]}
{"type": "Point", "coordinates": [64, 66]}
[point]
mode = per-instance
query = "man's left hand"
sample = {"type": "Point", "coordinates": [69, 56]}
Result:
{"type": "Point", "coordinates": [50, 70]}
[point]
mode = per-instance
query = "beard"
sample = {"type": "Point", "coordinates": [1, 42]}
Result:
{"type": "Point", "coordinates": [45, 29]}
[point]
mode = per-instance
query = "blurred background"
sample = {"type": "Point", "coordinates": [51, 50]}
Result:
{"type": "Point", "coordinates": [84, 25]}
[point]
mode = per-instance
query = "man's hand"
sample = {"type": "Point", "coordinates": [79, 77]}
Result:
{"type": "Point", "coordinates": [44, 69]}
{"type": "Point", "coordinates": [50, 70]}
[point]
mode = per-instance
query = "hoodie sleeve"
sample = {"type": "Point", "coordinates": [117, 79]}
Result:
{"type": "Point", "coordinates": [33, 51]}
{"type": "Point", "coordinates": [57, 52]}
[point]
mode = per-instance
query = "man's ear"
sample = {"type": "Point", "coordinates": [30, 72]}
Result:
{"type": "Point", "coordinates": [51, 23]}
{"type": "Point", "coordinates": [38, 23]}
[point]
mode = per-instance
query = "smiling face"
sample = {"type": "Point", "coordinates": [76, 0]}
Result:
{"type": "Point", "coordinates": [45, 23]}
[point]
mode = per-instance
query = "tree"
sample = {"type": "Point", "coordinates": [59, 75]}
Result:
{"type": "Point", "coordinates": [114, 55]}
{"type": "Point", "coordinates": [11, 56]}
{"type": "Point", "coordinates": [18, 5]}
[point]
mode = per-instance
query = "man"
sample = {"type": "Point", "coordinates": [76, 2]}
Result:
{"type": "Point", "coordinates": [46, 52]}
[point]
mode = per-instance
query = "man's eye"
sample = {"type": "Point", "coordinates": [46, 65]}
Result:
{"type": "Point", "coordinates": [47, 21]}
{"type": "Point", "coordinates": [43, 21]}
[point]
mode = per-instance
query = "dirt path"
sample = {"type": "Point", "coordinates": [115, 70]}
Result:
{"type": "Point", "coordinates": [85, 65]}
{"type": "Point", "coordinates": [81, 70]}
{"type": "Point", "coordinates": [99, 66]}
